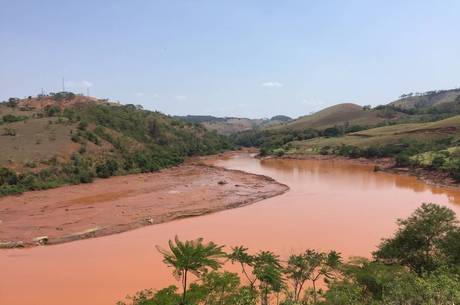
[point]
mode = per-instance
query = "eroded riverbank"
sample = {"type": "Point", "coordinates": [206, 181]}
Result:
{"type": "Point", "coordinates": [119, 204]}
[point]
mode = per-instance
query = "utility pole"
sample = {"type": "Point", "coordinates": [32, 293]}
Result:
{"type": "Point", "coordinates": [63, 85]}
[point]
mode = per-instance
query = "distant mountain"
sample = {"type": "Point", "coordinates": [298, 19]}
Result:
{"type": "Point", "coordinates": [230, 125]}
{"type": "Point", "coordinates": [281, 118]}
{"type": "Point", "coordinates": [420, 101]}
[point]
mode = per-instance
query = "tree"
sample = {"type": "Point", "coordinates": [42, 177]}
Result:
{"type": "Point", "coordinates": [298, 270]}
{"type": "Point", "coordinates": [322, 265]}
{"type": "Point", "coordinates": [192, 256]}
{"type": "Point", "coordinates": [268, 270]}
{"type": "Point", "coordinates": [241, 256]}
{"type": "Point", "coordinates": [418, 242]}
{"type": "Point", "coordinates": [220, 288]}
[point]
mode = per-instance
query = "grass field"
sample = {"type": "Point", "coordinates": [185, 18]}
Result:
{"type": "Point", "coordinates": [338, 115]}
{"type": "Point", "coordinates": [447, 128]}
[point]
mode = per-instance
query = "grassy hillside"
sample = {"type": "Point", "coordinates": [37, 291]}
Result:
{"type": "Point", "coordinates": [427, 100]}
{"type": "Point", "coordinates": [346, 114]}
{"type": "Point", "coordinates": [231, 125]}
{"type": "Point", "coordinates": [393, 134]}
{"type": "Point", "coordinates": [434, 145]}
{"type": "Point", "coordinates": [59, 139]}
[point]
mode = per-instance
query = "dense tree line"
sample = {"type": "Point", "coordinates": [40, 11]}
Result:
{"type": "Point", "coordinates": [271, 139]}
{"type": "Point", "coordinates": [419, 264]}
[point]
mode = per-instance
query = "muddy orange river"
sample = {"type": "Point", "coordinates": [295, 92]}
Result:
{"type": "Point", "coordinates": [330, 205]}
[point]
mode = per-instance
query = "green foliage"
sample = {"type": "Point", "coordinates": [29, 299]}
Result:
{"type": "Point", "coordinates": [62, 96]}
{"type": "Point", "coordinates": [52, 110]}
{"type": "Point", "coordinates": [268, 271]}
{"type": "Point", "coordinates": [106, 169]}
{"type": "Point", "coordinates": [193, 257]}
{"type": "Point", "coordinates": [139, 141]}
{"type": "Point", "coordinates": [419, 265]}
{"type": "Point", "coordinates": [420, 241]}
{"type": "Point", "coordinates": [10, 118]}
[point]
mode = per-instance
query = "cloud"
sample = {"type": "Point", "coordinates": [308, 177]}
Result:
{"type": "Point", "coordinates": [78, 84]}
{"type": "Point", "coordinates": [139, 94]}
{"type": "Point", "coordinates": [272, 84]}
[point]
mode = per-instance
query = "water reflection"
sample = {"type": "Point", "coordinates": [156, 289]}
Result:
{"type": "Point", "coordinates": [355, 175]}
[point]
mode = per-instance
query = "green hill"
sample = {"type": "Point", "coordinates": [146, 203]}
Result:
{"type": "Point", "coordinates": [66, 138]}
{"type": "Point", "coordinates": [346, 114]}
{"type": "Point", "coordinates": [434, 146]}
{"type": "Point", "coordinates": [393, 134]}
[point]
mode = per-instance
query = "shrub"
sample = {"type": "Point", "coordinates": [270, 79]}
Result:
{"type": "Point", "coordinates": [51, 111]}
{"type": "Point", "coordinates": [7, 176]}
{"type": "Point", "coordinates": [403, 160]}
{"type": "Point", "coordinates": [107, 169]}
{"type": "Point", "coordinates": [10, 118]}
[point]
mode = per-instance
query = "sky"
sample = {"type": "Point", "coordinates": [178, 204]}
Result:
{"type": "Point", "coordinates": [245, 58]}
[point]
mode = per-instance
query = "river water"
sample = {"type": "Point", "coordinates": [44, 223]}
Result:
{"type": "Point", "coordinates": [330, 205]}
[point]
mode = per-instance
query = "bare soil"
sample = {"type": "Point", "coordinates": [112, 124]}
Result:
{"type": "Point", "coordinates": [118, 204]}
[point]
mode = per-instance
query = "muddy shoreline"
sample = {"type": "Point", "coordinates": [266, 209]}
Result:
{"type": "Point", "coordinates": [434, 178]}
{"type": "Point", "coordinates": [119, 204]}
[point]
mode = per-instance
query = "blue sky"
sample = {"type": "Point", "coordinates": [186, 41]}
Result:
{"type": "Point", "coordinates": [234, 58]}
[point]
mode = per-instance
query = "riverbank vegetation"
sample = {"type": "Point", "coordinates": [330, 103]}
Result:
{"type": "Point", "coordinates": [419, 130]}
{"type": "Point", "coordinates": [65, 138]}
{"type": "Point", "coordinates": [419, 264]}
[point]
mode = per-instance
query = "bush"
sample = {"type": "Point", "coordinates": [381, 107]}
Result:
{"type": "Point", "coordinates": [9, 118]}
{"type": "Point", "coordinates": [86, 177]}
{"type": "Point", "coordinates": [403, 160]}
{"type": "Point", "coordinates": [106, 169]}
{"type": "Point", "coordinates": [12, 102]}
{"type": "Point", "coordinates": [51, 111]}
{"type": "Point", "coordinates": [437, 162]}
{"type": "Point", "coordinates": [332, 132]}
{"type": "Point", "coordinates": [7, 176]}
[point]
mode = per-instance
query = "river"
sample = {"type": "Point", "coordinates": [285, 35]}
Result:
{"type": "Point", "coordinates": [330, 205]}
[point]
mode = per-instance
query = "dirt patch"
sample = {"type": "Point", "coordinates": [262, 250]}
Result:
{"type": "Point", "coordinates": [118, 204]}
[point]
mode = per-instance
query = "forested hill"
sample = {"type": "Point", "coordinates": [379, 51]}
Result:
{"type": "Point", "coordinates": [63, 138]}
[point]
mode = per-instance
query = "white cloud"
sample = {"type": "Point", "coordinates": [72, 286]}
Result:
{"type": "Point", "coordinates": [139, 94]}
{"type": "Point", "coordinates": [272, 84]}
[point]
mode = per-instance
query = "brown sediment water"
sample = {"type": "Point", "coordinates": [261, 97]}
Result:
{"type": "Point", "coordinates": [330, 205]}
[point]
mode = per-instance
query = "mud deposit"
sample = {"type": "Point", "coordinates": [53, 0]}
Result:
{"type": "Point", "coordinates": [119, 204]}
